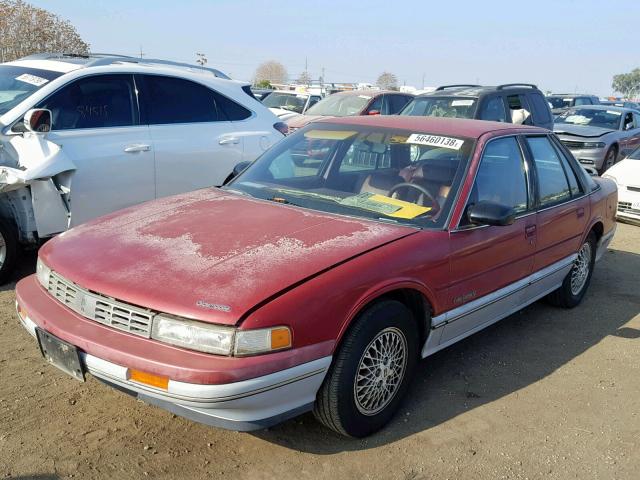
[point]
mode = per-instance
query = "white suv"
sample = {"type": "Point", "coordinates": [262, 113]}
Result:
{"type": "Point", "coordinates": [84, 136]}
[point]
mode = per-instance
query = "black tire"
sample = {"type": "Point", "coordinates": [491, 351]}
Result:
{"type": "Point", "coordinates": [337, 405]}
{"type": "Point", "coordinates": [609, 159]}
{"type": "Point", "coordinates": [8, 236]}
{"type": "Point", "coordinates": [566, 296]}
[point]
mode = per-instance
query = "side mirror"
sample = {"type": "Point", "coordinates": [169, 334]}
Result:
{"type": "Point", "coordinates": [489, 213]}
{"type": "Point", "coordinates": [373, 112]}
{"type": "Point", "coordinates": [38, 120]}
{"type": "Point", "coordinates": [237, 170]}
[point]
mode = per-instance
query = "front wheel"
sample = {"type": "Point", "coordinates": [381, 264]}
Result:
{"type": "Point", "coordinates": [371, 371]}
{"type": "Point", "coordinates": [577, 281]}
{"type": "Point", "coordinates": [609, 160]}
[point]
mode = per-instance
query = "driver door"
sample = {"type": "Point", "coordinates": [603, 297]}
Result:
{"type": "Point", "coordinates": [487, 261]}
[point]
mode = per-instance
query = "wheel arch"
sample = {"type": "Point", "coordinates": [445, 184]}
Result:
{"type": "Point", "coordinates": [415, 297]}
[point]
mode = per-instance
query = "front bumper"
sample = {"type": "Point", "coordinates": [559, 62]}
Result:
{"type": "Point", "coordinates": [628, 205]}
{"type": "Point", "coordinates": [589, 157]}
{"type": "Point", "coordinates": [244, 405]}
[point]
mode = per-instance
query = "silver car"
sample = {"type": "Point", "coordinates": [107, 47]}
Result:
{"type": "Point", "coordinates": [598, 135]}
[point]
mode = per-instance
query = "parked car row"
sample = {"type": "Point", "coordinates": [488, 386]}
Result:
{"type": "Point", "coordinates": [321, 267]}
{"type": "Point", "coordinates": [75, 130]}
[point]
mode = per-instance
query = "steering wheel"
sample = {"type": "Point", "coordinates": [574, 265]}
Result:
{"type": "Point", "coordinates": [434, 203]}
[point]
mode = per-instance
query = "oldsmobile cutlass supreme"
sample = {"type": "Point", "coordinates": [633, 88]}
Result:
{"type": "Point", "coordinates": [320, 275]}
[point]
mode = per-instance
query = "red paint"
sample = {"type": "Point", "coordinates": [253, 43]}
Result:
{"type": "Point", "coordinates": [274, 264]}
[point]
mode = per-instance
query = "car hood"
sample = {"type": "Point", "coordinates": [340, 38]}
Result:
{"type": "Point", "coordinates": [302, 120]}
{"type": "Point", "coordinates": [585, 131]}
{"type": "Point", "coordinates": [209, 255]}
{"type": "Point", "coordinates": [283, 113]}
{"type": "Point", "coordinates": [626, 172]}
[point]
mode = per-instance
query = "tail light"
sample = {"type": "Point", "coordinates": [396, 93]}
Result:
{"type": "Point", "coordinates": [281, 127]}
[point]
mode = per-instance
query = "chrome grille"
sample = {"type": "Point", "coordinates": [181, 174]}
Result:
{"type": "Point", "coordinates": [100, 308]}
{"type": "Point", "coordinates": [625, 207]}
{"type": "Point", "coordinates": [572, 144]}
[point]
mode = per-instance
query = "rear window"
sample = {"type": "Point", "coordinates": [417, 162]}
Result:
{"type": "Point", "coordinates": [170, 100]}
{"type": "Point", "coordinates": [431, 106]}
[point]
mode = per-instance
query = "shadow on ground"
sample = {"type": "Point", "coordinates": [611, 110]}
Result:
{"type": "Point", "coordinates": [25, 266]}
{"type": "Point", "coordinates": [504, 358]}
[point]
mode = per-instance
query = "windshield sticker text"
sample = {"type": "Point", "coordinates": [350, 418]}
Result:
{"type": "Point", "coordinates": [32, 79]}
{"type": "Point", "coordinates": [435, 141]}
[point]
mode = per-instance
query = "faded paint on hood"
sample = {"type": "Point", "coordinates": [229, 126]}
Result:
{"type": "Point", "coordinates": [208, 246]}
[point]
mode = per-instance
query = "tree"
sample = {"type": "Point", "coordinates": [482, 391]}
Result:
{"type": "Point", "coordinates": [387, 81]}
{"type": "Point", "coordinates": [263, 84]}
{"type": "Point", "coordinates": [628, 84]}
{"type": "Point", "coordinates": [25, 30]}
{"type": "Point", "coordinates": [304, 79]}
{"type": "Point", "coordinates": [201, 59]}
{"type": "Point", "coordinates": [272, 71]}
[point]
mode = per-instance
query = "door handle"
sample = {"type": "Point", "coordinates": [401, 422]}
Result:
{"type": "Point", "coordinates": [229, 141]}
{"type": "Point", "coordinates": [137, 147]}
{"type": "Point", "coordinates": [580, 212]}
{"type": "Point", "coordinates": [530, 231]}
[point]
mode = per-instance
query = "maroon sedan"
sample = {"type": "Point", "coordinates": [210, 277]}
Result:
{"type": "Point", "coordinates": [320, 275]}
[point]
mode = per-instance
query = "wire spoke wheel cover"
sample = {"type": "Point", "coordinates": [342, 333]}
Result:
{"type": "Point", "coordinates": [380, 371]}
{"type": "Point", "coordinates": [580, 270]}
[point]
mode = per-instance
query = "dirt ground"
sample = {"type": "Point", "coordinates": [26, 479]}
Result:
{"type": "Point", "coordinates": [546, 393]}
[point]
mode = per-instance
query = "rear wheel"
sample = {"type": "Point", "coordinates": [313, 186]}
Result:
{"type": "Point", "coordinates": [371, 371]}
{"type": "Point", "coordinates": [609, 159]}
{"type": "Point", "coordinates": [8, 249]}
{"type": "Point", "coordinates": [577, 281]}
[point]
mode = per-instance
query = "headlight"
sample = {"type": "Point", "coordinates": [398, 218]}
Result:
{"type": "Point", "coordinates": [594, 145]}
{"type": "Point", "coordinates": [218, 339]}
{"type": "Point", "coordinates": [193, 335]}
{"type": "Point", "coordinates": [251, 342]}
{"type": "Point", "coordinates": [42, 273]}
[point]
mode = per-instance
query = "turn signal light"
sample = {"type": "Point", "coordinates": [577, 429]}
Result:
{"type": "Point", "coordinates": [149, 379]}
{"type": "Point", "coordinates": [280, 338]}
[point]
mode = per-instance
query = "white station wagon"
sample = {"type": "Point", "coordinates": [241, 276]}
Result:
{"type": "Point", "coordinates": [82, 136]}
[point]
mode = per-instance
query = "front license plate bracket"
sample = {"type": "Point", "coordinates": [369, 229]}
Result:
{"type": "Point", "coordinates": [60, 354]}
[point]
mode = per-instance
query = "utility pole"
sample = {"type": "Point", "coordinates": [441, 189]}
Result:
{"type": "Point", "coordinates": [141, 52]}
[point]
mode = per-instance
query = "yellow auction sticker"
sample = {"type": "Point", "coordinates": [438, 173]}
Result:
{"type": "Point", "coordinates": [330, 134]}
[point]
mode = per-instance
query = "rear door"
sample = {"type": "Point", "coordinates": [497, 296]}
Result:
{"type": "Point", "coordinates": [487, 261]}
{"type": "Point", "coordinates": [95, 121]}
{"type": "Point", "coordinates": [562, 204]}
{"type": "Point", "coordinates": [196, 144]}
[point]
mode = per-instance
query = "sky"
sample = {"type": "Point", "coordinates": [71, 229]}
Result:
{"type": "Point", "coordinates": [564, 46]}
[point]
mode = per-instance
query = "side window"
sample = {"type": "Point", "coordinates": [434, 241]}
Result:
{"type": "Point", "coordinates": [312, 101]}
{"type": "Point", "coordinates": [98, 101]}
{"type": "Point", "coordinates": [540, 107]}
{"type": "Point", "coordinates": [396, 103]}
{"type": "Point", "coordinates": [493, 109]}
{"type": "Point", "coordinates": [170, 100]}
{"type": "Point", "coordinates": [376, 105]}
{"type": "Point", "coordinates": [519, 110]}
{"type": "Point", "coordinates": [574, 186]}
{"type": "Point", "coordinates": [553, 186]}
{"type": "Point", "coordinates": [582, 101]}
{"type": "Point", "coordinates": [501, 176]}
{"type": "Point", "coordinates": [628, 121]}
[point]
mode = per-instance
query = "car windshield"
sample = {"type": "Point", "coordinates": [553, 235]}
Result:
{"type": "Point", "coordinates": [17, 83]}
{"type": "Point", "coordinates": [559, 102]}
{"type": "Point", "coordinates": [288, 101]}
{"type": "Point", "coordinates": [399, 176]}
{"type": "Point", "coordinates": [591, 116]}
{"type": "Point", "coordinates": [429, 106]}
{"type": "Point", "coordinates": [340, 105]}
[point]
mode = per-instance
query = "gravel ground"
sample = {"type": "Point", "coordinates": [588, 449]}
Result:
{"type": "Point", "coordinates": [546, 393]}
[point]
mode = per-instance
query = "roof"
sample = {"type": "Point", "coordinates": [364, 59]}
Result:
{"type": "Point", "coordinates": [570, 95]}
{"type": "Point", "coordinates": [64, 62]}
{"type": "Point", "coordinates": [474, 91]}
{"type": "Point", "coordinates": [371, 93]}
{"type": "Point", "coordinates": [434, 125]}
{"type": "Point", "coordinates": [613, 108]}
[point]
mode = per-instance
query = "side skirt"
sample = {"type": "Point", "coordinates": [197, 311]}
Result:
{"type": "Point", "coordinates": [454, 325]}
